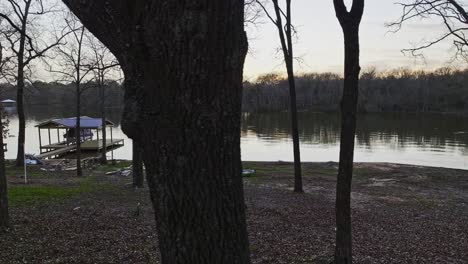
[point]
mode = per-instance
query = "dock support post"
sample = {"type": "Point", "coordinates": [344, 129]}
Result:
{"type": "Point", "coordinates": [112, 145]}
{"type": "Point", "coordinates": [40, 140]}
{"type": "Point", "coordinates": [98, 146]}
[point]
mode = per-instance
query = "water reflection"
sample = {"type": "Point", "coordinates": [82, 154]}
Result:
{"type": "Point", "coordinates": [424, 139]}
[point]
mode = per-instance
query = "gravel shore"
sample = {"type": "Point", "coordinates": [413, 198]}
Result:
{"type": "Point", "coordinates": [401, 214]}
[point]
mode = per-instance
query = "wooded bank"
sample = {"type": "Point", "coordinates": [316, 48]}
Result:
{"type": "Point", "coordinates": [443, 90]}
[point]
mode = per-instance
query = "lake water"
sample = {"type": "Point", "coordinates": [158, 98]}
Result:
{"type": "Point", "coordinates": [421, 139]}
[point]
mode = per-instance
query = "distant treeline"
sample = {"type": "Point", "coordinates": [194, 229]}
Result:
{"type": "Point", "coordinates": [63, 96]}
{"type": "Point", "coordinates": [402, 90]}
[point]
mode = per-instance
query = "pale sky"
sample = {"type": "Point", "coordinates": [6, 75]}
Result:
{"type": "Point", "coordinates": [320, 42]}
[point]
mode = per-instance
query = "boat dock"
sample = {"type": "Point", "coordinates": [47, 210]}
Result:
{"type": "Point", "coordinates": [89, 136]}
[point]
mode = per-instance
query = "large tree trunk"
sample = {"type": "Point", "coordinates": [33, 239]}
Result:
{"type": "Point", "coordinates": [350, 23]}
{"type": "Point", "coordinates": [4, 216]}
{"type": "Point", "coordinates": [183, 63]}
{"type": "Point", "coordinates": [137, 165]}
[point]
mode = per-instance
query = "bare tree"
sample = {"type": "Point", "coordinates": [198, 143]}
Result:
{"type": "Point", "coordinates": [253, 13]}
{"type": "Point", "coordinates": [349, 21]}
{"type": "Point", "coordinates": [285, 32]}
{"type": "Point", "coordinates": [73, 67]}
{"type": "Point", "coordinates": [452, 13]}
{"type": "Point", "coordinates": [103, 63]}
{"type": "Point", "coordinates": [26, 46]}
{"type": "Point", "coordinates": [183, 62]}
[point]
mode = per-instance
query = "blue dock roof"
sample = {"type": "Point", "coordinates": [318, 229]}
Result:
{"type": "Point", "coordinates": [85, 122]}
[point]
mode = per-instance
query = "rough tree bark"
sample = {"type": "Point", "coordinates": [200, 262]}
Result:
{"type": "Point", "coordinates": [137, 165]}
{"type": "Point", "coordinates": [349, 21]}
{"type": "Point", "coordinates": [183, 63]}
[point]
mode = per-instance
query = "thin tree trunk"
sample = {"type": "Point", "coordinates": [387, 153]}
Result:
{"type": "Point", "coordinates": [20, 89]}
{"type": "Point", "coordinates": [350, 23]}
{"type": "Point", "coordinates": [79, 171]}
{"type": "Point", "coordinates": [137, 165]}
{"type": "Point", "coordinates": [183, 64]}
{"type": "Point", "coordinates": [21, 115]}
{"type": "Point", "coordinates": [285, 35]}
{"type": "Point", "coordinates": [20, 106]}
{"type": "Point", "coordinates": [295, 131]}
{"type": "Point", "coordinates": [293, 107]}
{"type": "Point", "coordinates": [4, 216]}
{"type": "Point", "coordinates": [103, 118]}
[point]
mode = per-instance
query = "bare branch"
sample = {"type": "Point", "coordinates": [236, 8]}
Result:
{"type": "Point", "coordinates": [453, 15]}
{"type": "Point", "coordinates": [265, 10]}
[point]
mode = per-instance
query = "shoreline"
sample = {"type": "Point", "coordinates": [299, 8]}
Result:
{"type": "Point", "coordinates": [376, 163]}
{"type": "Point", "coordinates": [314, 162]}
{"type": "Point", "coordinates": [330, 163]}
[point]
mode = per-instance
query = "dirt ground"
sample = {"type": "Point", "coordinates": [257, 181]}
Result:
{"type": "Point", "coordinates": [401, 214]}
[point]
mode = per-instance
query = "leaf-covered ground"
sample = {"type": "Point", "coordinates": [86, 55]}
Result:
{"type": "Point", "coordinates": [401, 214]}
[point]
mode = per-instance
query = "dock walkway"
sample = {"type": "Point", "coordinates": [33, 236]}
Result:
{"type": "Point", "coordinates": [61, 149]}
{"type": "Point", "coordinates": [57, 152]}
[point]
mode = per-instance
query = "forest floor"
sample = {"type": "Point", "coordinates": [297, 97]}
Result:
{"type": "Point", "coordinates": [401, 214]}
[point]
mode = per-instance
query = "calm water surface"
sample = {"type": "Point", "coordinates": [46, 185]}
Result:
{"type": "Point", "coordinates": [429, 139]}
{"type": "Point", "coordinates": [421, 139]}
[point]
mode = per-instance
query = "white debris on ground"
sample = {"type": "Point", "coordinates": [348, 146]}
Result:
{"type": "Point", "coordinates": [248, 172]}
{"type": "Point", "coordinates": [127, 171]}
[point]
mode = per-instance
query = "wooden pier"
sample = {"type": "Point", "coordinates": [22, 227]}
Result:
{"type": "Point", "coordinates": [56, 152]}
{"type": "Point", "coordinates": [62, 149]}
{"type": "Point", "coordinates": [67, 147]}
